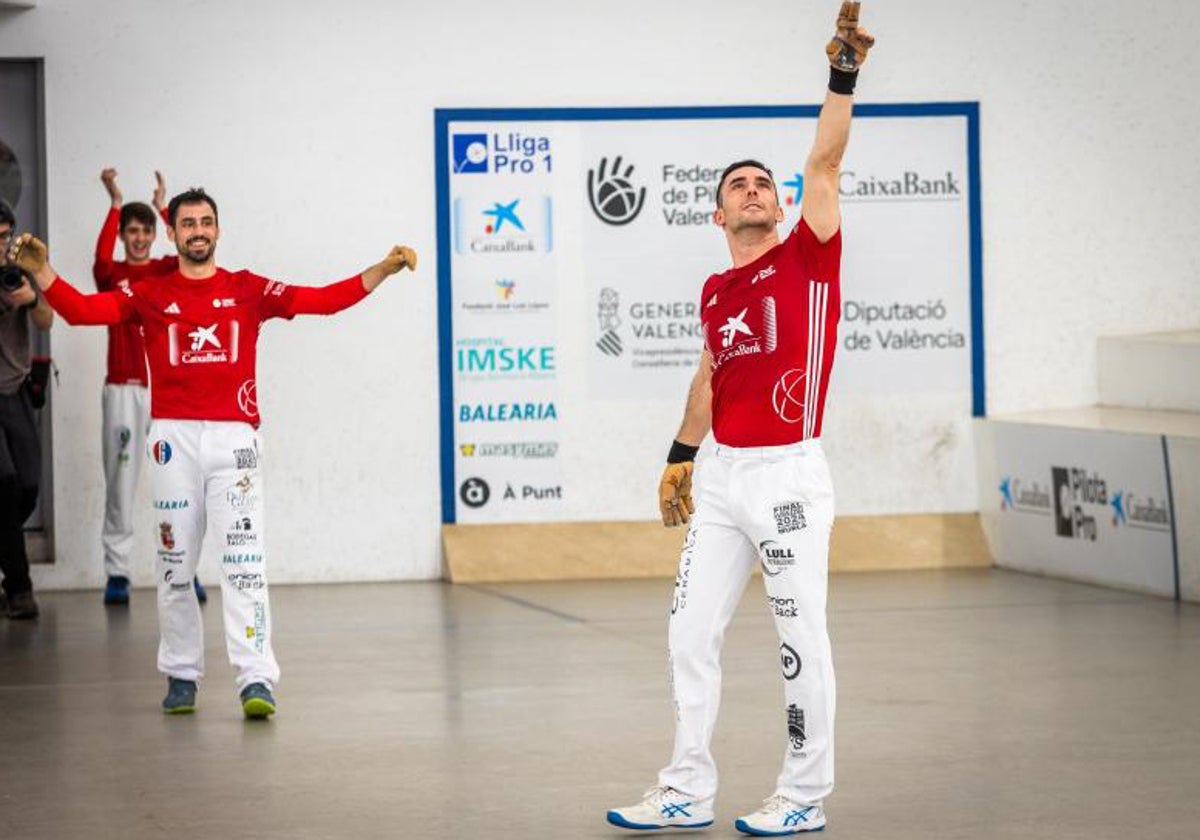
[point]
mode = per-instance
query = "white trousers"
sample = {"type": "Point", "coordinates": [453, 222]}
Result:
{"type": "Point", "coordinates": [205, 472]}
{"type": "Point", "coordinates": [124, 438]}
{"type": "Point", "coordinates": [771, 506]}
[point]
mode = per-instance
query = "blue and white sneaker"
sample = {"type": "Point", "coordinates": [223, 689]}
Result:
{"type": "Point", "coordinates": [664, 807]}
{"type": "Point", "coordinates": [779, 816]}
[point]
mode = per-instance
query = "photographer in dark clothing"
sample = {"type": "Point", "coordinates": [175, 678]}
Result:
{"type": "Point", "coordinates": [20, 449]}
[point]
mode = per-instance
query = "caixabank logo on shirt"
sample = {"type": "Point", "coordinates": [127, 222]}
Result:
{"type": "Point", "coordinates": [512, 225]}
{"type": "Point", "coordinates": [750, 331]}
{"type": "Point", "coordinates": [212, 344]}
{"type": "Point", "coordinates": [1077, 494]}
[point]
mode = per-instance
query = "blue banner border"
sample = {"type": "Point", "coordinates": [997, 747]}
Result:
{"type": "Point", "coordinates": [442, 117]}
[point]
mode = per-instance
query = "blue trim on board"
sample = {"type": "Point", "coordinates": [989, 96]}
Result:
{"type": "Point", "coordinates": [443, 117]}
{"type": "Point", "coordinates": [1171, 513]}
{"type": "Point", "coordinates": [975, 216]}
{"type": "Point", "coordinates": [441, 163]}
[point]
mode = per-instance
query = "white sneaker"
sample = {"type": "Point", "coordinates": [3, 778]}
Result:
{"type": "Point", "coordinates": [664, 807]}
{"type": "Point", "coordinates": [780, 815]}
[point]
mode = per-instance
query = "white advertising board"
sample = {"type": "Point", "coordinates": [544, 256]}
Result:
{"type": "Point", "coordinates": [572, 248]}
{"type": "Point", "coordinates": [1086, 505]}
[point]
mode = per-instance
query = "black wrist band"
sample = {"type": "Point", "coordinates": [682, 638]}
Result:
{"type": "Point", "coordinates": [681, 452]}
{"type": "Point", "coordinates": [841, 81]}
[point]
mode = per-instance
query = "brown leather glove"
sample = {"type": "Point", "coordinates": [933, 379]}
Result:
{"type": "Point", "coordinates": [675, 494]}
{"type": "Point", "coordinates": [29, 252]}
{"type": "Point", "coordinates": [400, 257]}
{"type": "Point", "coordinates": [848, 49]}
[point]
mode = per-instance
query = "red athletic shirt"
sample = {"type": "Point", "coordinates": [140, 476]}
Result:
{"type": "Point", "coordinates": [202, 335]}
{"type": "Point", "coordinates": [771, 327]}
{"type": "Point", "coordinates": [126, 350]}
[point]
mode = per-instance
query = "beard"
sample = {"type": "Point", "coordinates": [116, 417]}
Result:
{"type": "Point", "coordinates": [197, 250]}
{"type": "Point", "coordinates": [762, 222]}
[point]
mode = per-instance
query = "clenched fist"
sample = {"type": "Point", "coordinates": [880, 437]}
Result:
{"type": "Point", "coordinates": [675, 494]}
{"type": "Point", "coordinates": [848, 49]}
{"type": "Point", "coordinates": [400, 257]}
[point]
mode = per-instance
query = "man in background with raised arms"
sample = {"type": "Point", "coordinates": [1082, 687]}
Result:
{"type": "Point", "coordinates": [125, 398]}
{"type": "Point", "coordinates": [201, 327]}
{"type": "Point", "coordinates": [770, 331]}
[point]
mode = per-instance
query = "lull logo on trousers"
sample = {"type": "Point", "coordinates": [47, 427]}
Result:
{"type": "Point", "coordinates": [775, 557]}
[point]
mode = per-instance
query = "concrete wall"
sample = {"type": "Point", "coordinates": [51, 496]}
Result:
{"type": "Point", "coordinates": [312, 123]}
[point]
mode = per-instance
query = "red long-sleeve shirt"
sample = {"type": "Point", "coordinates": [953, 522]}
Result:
{"type": "Point", "coordinates": [126, 350]}
{"type": "Point", "coordinates": [201, 336]}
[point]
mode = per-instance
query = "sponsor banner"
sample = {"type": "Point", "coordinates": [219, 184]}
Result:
{"type": "Point", "coordinates": [505, 354]}
{"type": "Point", "coordinates": [649, 242]}
{"type": "Point", "coordinates": [574, 247]}
{"type": "Point", "coordinates": [1081, 504]}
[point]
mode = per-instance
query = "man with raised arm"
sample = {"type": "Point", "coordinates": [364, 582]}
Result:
{"type": "Point", "coordinates": [125, 399]}
{"type": "Point", "coordinates": [201, 328]}
{"type": "Point", "coordinates": [770, 329]}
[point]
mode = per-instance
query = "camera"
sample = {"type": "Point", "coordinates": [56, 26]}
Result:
{"type": "Point", "coordinates": [12, 277]}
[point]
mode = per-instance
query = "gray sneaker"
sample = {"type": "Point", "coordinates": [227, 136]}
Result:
{"type": "Point", "coordinates": [181, 697]}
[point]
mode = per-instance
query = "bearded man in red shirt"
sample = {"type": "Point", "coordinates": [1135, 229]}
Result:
{"type": "Point", "coordinates": [200, 325]}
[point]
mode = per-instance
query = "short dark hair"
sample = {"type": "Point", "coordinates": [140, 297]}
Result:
{"type": "Point", "coordinates": [138, 211]}
{"type": "Point", "coordinates": [193, 195]}
{"type": "Point", "coordinates": [738, 164]}
{"type": "Point", "coordinates": [7, 216]}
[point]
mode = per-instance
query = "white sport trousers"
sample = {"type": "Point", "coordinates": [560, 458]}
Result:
{"type": "Point", "coordinates": [124, 438]}
{"type": "Point", "coordinates": [205, 472]}
{"type": "Point", "coordinates": [769, 506]}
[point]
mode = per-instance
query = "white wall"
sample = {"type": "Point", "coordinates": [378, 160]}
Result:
{"type": "Point", "coordinates": [312, 124]}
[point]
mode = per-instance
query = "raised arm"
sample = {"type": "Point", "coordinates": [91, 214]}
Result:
{"type": "Point", "coordinates": [326, 300]}
{"type": "Point", "coordinates": [675, 487]}
{"type": "Point", "coordinates": [106, 243]}
{"type": "Point", "coordinates": [159, 199]}
{"type": "Point", "coordinates": [847, 51]}
{"type": "Point", "coordinates": [31, 254]}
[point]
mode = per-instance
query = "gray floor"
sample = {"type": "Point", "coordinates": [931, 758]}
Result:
{"type": "Point", "coordinates": [972, 705]}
